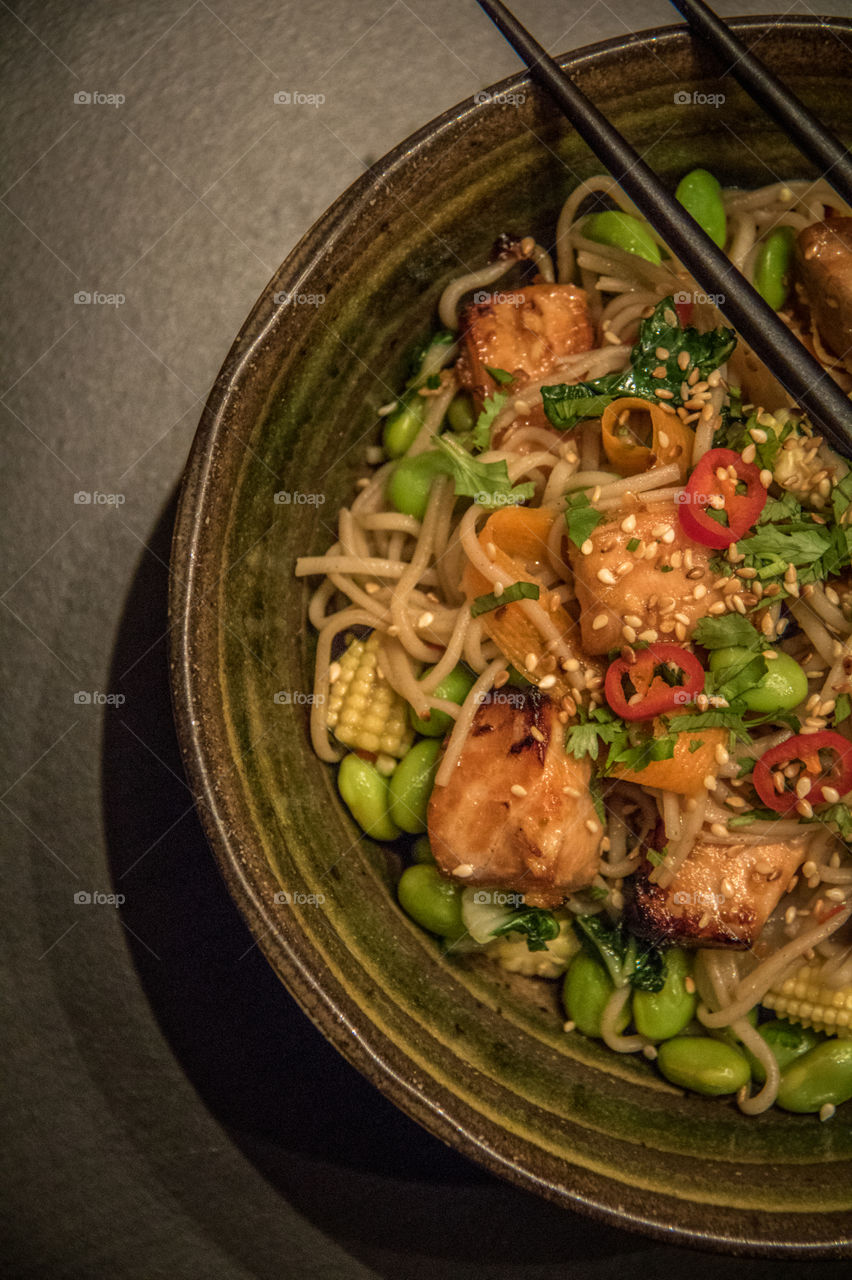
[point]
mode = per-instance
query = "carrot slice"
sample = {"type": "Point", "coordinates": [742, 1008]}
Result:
{"type": "Point", "coordinates": [671, 441]}
{"type": "Point", "coordinates": [685, 771]}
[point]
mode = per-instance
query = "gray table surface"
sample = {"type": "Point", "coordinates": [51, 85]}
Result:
{"type": "Point", "coordinates": [167, 1110]}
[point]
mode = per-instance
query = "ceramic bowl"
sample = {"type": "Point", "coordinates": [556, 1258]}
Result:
{"type": "Point", "coordinates": [479, 1059]}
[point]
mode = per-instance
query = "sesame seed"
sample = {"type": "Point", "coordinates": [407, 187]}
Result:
{"type": "Point", "coordinates": [491, 550]}
{"type": "Point", "coordinates": [826, 1111]}
{"type": "Point", "coordinates": [663, 439]}
{"type": "Point", "coordinates": [660, 371]}
{"type": "Point", "coordinates": [371, 588]}
{"type": "Point", "coordinates": [501, 678]}
{"type": "Point", "coordinates": [596, 493]}
{"type": "Point", "coordinates": [464, 870]}
{"type": "Point", "coordinates": [705, 920]}
{"type": "Point", "coordinates": [606, 576]}
{"type": "Point", "coordinates": [710, 782]}
{"type": "Point", "coordinates": [426, 619]}
{"type": "Point", "coordinates": [766, 477]}
{"type": "Point", "coordinates": [662, 353]}
{"type": "Point", "coordinates": [530, 661]}
{"type": "Point", "coordinates": [758, 436]}
{"type": "Point", "coordinates": [649, 636]}
{"type": "Point", "coordinates": [600, 621]}
{"type": "Point", "coordinates": [570, 664]}
{"type": "Point", "coordinates": [722, 756]}
{"type": "Point", "coordinates": [498, 589]}
{"type": "Point", "coordinates": [568, 1026]}
{"type": "Point", "coordinates": [682, 618]}
{"type": "Point", "coordinates": [836, 895]}
{"type": "Point", "coordinates": [718, 828]}
{"type": "Point", "coordinates": [718, 607]}
{"type": "Point", "coordinates": [393, 630]}
{"type": "Point", "coordinates": [658, 530]}
{"type": "Point", "coordinates": [574, 792]}
{"type": "Point", "coordinates": [676, 557]}
{"type": "Point", "coordinates": [592, 826]}
{"type": "Point", "coordinates": [651, 550]}
{"type": "Point", "coordinates": [749, 453]}
{"type": "Point", "coordinates": [831, 795]}
{"type": "Point", "coordinates": [689, 984]}
{"type": "Point", "coordinates": [517, 790]}
{"type": "Point", "coordinates": [587, 548]}
{"type": "Point", "coordinates": [649, 1052]}
{"type": "Point", "coordinates": [805, 809]}
{"type": "Point", "coordinates": [547, 682]}
{"type": "Point", "coordinates": [537, 734]}
{"type": "Point", "coordinates": [699, 592]}
{"type": "Point", "coordinates": [663, 394]}
{"type": "Point", "coordinates": [629, 634]}
{"type": "Point", "coordinates": [628, 524]}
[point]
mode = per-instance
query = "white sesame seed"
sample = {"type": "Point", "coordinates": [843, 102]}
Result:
{"type": "Point", "coordinates": [649, 636]}
{"type": "Point", "coordinates": [831, 795]}
{"type": "Point", "coordinates": [426, 619]}
{"type": "Point", "coordinates": [592, 826]}
{"type": "Point", "coordinates": [600, 621]}
{"type": "Point", "coordinates": [718, 829]}
{"type": "Point", "coordinates": [836, 895]}
{"type": "Point", "coordinates": [826, 1111]}
{"type": "Point", "coordinates": [710, 782]}
{"type": "Point", "coordinates": [464, 870]}
{"type": "Point", "coordinates": [498, 589]}
{"type": "Point", "coordinates": [530, 661]}
{"type": "Point", "coordinates": [537, 734]}
{"type": "Point", "coordinates": [607, 577]}
{"type": "Point", "coordinates": [628, 524]}
{"type": "Point", "coordinates": [587, 548]}
{"type": "Point", "coordinates": [721, 753]}
{"type": "Point", "coordinates": [547, 682]}
{"type": "Point", "coordinates": [766, 477]}
{"type": "Point", "coordinates": [517, 790]}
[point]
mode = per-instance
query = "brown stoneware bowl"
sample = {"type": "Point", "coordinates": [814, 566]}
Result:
{"type": "Point", "coordinates": [478, 1059]}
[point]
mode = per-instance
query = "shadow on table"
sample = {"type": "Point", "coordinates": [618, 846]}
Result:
{"type": "Point", "coordinates": [334, 1147]}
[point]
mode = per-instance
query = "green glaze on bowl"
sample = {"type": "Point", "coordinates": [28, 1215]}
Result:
{"type": "Point", "coordinates": [479, 1059]}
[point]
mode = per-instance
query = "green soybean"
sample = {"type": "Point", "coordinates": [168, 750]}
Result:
{"type": "Point", "coordinates": [787, 1040]}
{"type": "Point", "coordinates": [402, 425]}
{"type": "Point", "coordinates": [435, 903]}
{"type": "Point", "coordinates": [821, 1076]}
{"type": "Point", "coordinates": [622, 231]}
{"type": "Point", "coordinates": [701, 196]}
{"type": "Point", "coordinates": [460, 414]}
{"type": "Point", "coordinates": [410, 786]}
{"type": "Point", "coordinates": [659, 1015]}
{"type": "Point", "coordinates": [783, 687]}
{"type": "Point", "coordinates": [454, 687]}
{"type": "Point", "coordinates": [411, 482]}
{"type": "Point", "coordinates": [772, 266]}
{"type": "Point", "coordinates": [707, 1066]}
{"type": "Point", "coordinates": [365, 792]}
{"type": "Point", "coordinates": [421, 851]}
{"type": "Point", "coordinates": [586, 989]}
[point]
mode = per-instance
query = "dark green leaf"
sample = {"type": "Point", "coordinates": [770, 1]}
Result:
{"type": "Point", "coordinates": [625, 958]}
{"type": "Point", "coordinates": [540, 927]}
{"type": "Point", "coordinates": [732, 631]}
{"type": "Point", "coordinates": [500, 375]}
{"type": "Point", "coordinates": [581, 518]}
{"type": "Point", "coordinates": [488, 482]}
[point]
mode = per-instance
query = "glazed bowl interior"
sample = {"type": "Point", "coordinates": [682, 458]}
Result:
{"type": "Point", "coordinates": [480, 1059]}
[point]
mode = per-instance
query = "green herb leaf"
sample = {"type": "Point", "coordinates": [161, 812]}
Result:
{"type": "Point", "coordinates": [738, 820]}
{"type": "Point", "coordinates": [841, 499]}
{"type": "Point", "coordinates": [515, 591]}
{"type": "Point", "coordinates": [500, 375]}
{"type": "Point", "coordinates": [837, 816]}
{"type": "Point", "coordinates": [736, 434]}
{"type": "Point", "coordinates": [732, 631]}
{"type": "Point", "coordinates": [581, 518]}
{"type": "Point", "coordinates": [478, 438]}
{"type": "Point", "coordinates": [842, 709]}
{"type": "Point", "coordinates": [633, 544]}
{"type": "Point", "coordinates": [540, 927]}
{"type": "Point", "coordinates": [567, 404]}
{"type": "Point", "coordinates": [626, 959]}
{"type": "Point", "coordinates": [487, 482]}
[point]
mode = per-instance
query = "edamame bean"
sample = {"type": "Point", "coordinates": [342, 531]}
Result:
{"type": "Point", "coordinates": [823, 1075]}
{"type": "Point", "coordinates": [410, 785]}
{"type": "Point", "coordinates": [411, 481]}
{"type": "Point", "coordinates": [772, 266]}
{"type": "Point", "coordinates": [586, 989]}
{"type": "Point", "coordinates": [622, 231]}
{"type": "Point", "coordinates": [787, 1040]}
{"type": "Point", "coordinates": [421, 851]}
{"type": "Point", "coordinates": [460, 414]}
{"type": "Point", "coordinates": [659, 1015]}
{"type": "Point", "coordinates": [401, 426]}
{"type": "Point", "coordinates": [783, 687]}
{"type": "Point", "coordinates": [365, 792]}
{"type": "Point", "coordinates": [454, 687]}
{"type": "Point", "coordinates": [701, 196]}
{"type": "Point", "coordinates": [707, 1066]}
{"type": "Point", "coordinates": [435, 903]}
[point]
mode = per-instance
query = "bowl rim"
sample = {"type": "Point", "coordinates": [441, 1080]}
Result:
{"type": "Point", "coordinates": [188, 693]}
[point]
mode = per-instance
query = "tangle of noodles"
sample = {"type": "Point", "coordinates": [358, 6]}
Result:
{"type": "Point", "coordinates": [401, 576]}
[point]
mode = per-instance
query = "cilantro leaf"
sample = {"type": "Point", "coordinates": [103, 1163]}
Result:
{"type": "Point", "coordinates": [540, 927]}
{"type": "Point", "coordinates": [582, 740]}
{"type": "Point", "coordinates": [837, 816]}
{"type": "Point", "coordinates": [487, 482]}
{"type": "Point", "coordinates": [515, 591]}
{"type": "Point", "coordinates": [841, 498]}
{"type": "Point", "coordinates": [842, 709]}
{"type": "Point", "coordinates": [788, 534]}
{"type": "Point", "coordinates": [478, 438]}
{"type": "Point", "coordinates": [500, 375]}
{"type": "Point", "coordinates": [731, 631]}
{"type": "Point", "coordinates": [581, 518]}
{"type": "Point", "coordinates": [567, 404]}
{"type": "Point", "coordinates": [736, 434]}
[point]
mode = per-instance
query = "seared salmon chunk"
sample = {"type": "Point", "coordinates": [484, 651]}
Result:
{"type": "Point", "coordinates": [517, 812]}
{"type": "Point", "coordinates": [524, 331]}
{"type": "Point", "coordinates": [659, 590]}
{"type": "Point", "coordinates": [721, 896]}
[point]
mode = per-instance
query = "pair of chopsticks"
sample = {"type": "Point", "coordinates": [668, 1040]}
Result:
{"type": "Point", "coordinates": [796, 369]}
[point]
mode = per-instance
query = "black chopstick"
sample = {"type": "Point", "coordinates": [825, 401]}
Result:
{"type": "Point", "coordinates": [800, 124]}
{"type": "Point", "coordinates": [804, 378]}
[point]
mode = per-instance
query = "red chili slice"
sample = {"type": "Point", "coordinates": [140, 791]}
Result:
{"type": "Point", "coordinates": [653, 694]}
{"type": "Point", "coordinates": [683, 307]}
{"type": "Point", "coordinates": [804, 748]}
{"type": "Point", "coordinates": [712, 480]}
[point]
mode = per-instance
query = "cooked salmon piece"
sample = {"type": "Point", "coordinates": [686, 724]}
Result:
{"type": "Point", "coordinates": [658, 591]}
{"type": "Point", "coordinates": [517, 813]}
{"type": "Point", "coordinates": [823, 268]}
{"type": "Point", "coordinates": [524, 331]}
{"type": "Point", "coordinates": [721, 896]}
